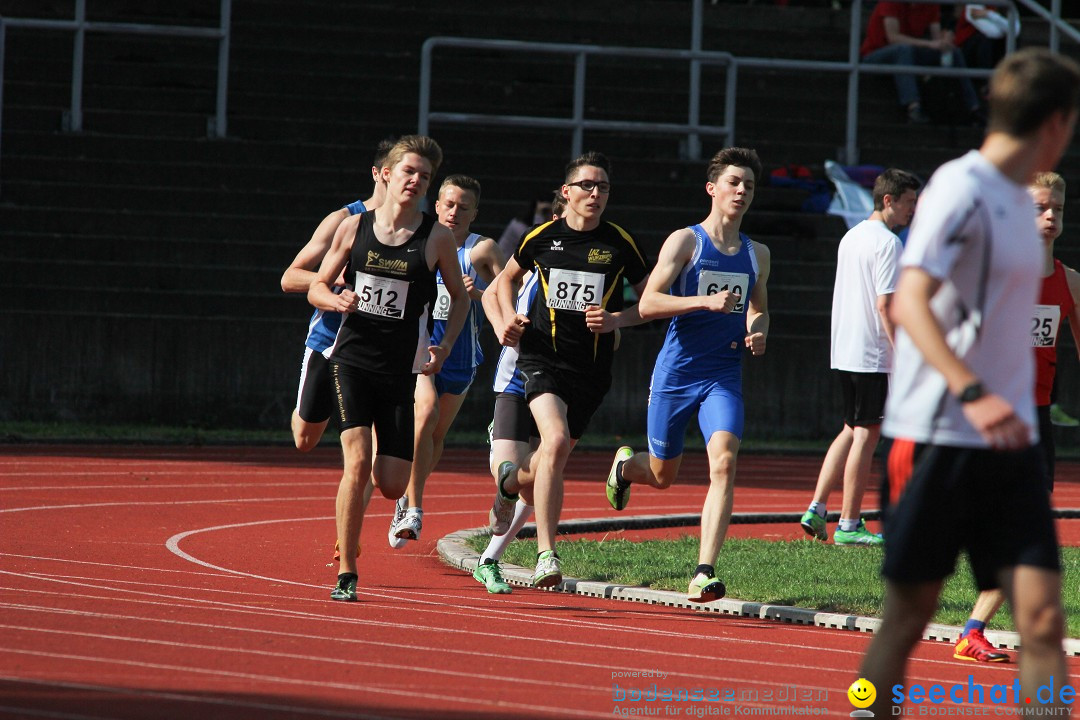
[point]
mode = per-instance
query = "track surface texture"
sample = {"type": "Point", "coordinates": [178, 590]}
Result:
{"type": "Point", "coordinates": [177, 583]}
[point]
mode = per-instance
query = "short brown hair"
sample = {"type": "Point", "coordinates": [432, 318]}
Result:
{"type": "Point", "coordinates": [422, 145]}
{"type": "Point", "coordinates": [464, 182]}
{"type": "Point", "coordinates": [1029, 86]}
{"type": "Point", "coordinates": [1050, 180]}
{"type": "Point", "coordinates": [893, 182]}
{"type": "Point", "coordinates": [737, 156]}
{"type": "Point", "coordinates": [382, 150]}
{"type": "Point", "coordinates": [593, 158]}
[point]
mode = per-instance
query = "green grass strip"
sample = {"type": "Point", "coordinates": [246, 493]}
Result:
{"type": "Point", "coordinates": [799, 573]}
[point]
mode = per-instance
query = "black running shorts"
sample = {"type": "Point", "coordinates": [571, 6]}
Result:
{"type": "Point", "coordinates": [941, 500]}
{"type": "Point", "coordinates": [385, 402]}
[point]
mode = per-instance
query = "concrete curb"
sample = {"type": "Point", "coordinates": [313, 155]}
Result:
{"type": "Point", "coordinates": [454, 550]}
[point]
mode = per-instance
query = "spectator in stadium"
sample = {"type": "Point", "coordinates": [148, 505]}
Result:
{"type": "Point", "coordinates": [711, 280]}
{"type": "Point", "coordinates": [868, 264]}
{"type": "Point", "coordinates": [538, 211]}
{"type": "Point", "coordinates": [901, 33]}
{"type": "Point", "coordinates": [961, 410]}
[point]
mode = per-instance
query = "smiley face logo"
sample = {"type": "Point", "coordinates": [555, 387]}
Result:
{"type": "Point", "coordinates": [862, 693]}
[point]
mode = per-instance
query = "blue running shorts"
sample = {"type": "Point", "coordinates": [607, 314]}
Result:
{"type": "Point", "coordinates": [673, 398]}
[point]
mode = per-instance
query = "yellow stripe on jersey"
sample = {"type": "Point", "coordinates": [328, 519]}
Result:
{"type": "Point", "coordinates": [630, 241]}
{"type": "Point", "coordinates": [616, 283]}
{"type": "Point", "coordinates": [533, 234]}
{"type": "Point", "coordinates": [551, 310]}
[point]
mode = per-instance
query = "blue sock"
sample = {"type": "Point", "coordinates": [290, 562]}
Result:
{"type": "Point", "coordinates": [973, 624]}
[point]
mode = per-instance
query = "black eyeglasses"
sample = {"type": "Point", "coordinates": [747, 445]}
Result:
{"type": "Point", "coordinates": [590, 185]}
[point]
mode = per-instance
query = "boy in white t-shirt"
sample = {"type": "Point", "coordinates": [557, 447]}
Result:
{"type": "Point", "coordinates": [961, 411]}
{"type": "Point", "coordinates": [867, 266]}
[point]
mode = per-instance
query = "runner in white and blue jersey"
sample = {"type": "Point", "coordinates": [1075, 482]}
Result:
{"type": "Point", "coordinates": [439, 397]}
{"type": "Point", "coordinates": [314, 398]}
{"type": "Point", "coordinates": [711, 280]}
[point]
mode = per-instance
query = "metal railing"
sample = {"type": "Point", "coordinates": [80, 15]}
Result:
{"type": "Point", "coordinates": [73, 118]}
{"type": "Point", "coordinates": [697, 57]}
{"type": "Point", "coordinates": [578, 123]}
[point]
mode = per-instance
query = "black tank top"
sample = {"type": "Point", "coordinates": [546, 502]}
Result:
{"type": "Point", "coordinates": [391, 330]}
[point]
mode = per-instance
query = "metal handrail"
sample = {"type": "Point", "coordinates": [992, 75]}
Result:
{"type": "Point", "coordinates": [577, 122]}
{"type": "Point", "coordinates": [73, 118]}
{"type": "Point", "coordinates": [693, 127]}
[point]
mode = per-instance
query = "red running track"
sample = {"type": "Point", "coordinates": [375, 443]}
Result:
{"type": "Point", "coordinates": [193, 583]}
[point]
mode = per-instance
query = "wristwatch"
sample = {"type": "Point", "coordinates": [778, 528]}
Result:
{"type": "Point", "coordinates": [972, 392]}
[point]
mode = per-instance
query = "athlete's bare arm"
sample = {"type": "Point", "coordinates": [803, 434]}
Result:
{"type": "Point", "coordinates": [442, 253]}
{"type": "Point", "coordinates": [655, 301]}
{"type": "Point", "coordinates": [337, 257]}
{"type": "Point", "coordinates": [511, 324]}
{"type": "Point", "coordinates": [1073, 278]}
{"type": "Point", "coordinates": [757, 311]}
{"type": "Point", "coordinates": [300, 273]}
{"type": "Point", "coordinates": [488, 260]}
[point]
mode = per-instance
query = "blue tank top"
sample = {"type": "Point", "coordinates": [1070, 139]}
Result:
{"type": "Point", "coordinates": [703, 342]}
{"type": "Point", "coordinates": [507, 377]}
{"type": "Point", "coordinates": [323, 325]}
{"type": "Point", "coordinates": [466, 353]}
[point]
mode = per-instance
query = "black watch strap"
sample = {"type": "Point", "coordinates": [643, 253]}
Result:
{"type": "Point", "coordinates": [972, 392]}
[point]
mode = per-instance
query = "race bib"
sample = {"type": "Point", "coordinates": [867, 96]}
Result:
{"type": "Point", "coordinates": [711, 282]}
{"type": "Point", "coordinates": [442, 303]}
{"type": "Point", "coordinates": [1044, 325]}
{"type": "Point", "coordinates": [381, 297]}
{"type": "Point", "coordinates": [573, 290]}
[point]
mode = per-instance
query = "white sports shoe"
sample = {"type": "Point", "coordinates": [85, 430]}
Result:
{"type": "Point", "coordinates": [400, 509]}
{"type": "Point", "coordinates": [410, 525]}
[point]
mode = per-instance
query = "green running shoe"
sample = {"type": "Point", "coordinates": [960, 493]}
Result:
{"type": "Point", "coordinates": [490, 574]}
{"type": "Point", "coordinates": [345, 590]}
{"type": "Point", "coordinates": [859, 536]}
{"type": "Point", "coordinates": [814, 525]}
{"type": "Point", "coordinates": [705, 589]}
{"type": "Point", "coordinates": [618, 491]}
{"type": "Point", "coordinates": [548, 573]}
{"type": "Point", "coordinates": [1061, 418]}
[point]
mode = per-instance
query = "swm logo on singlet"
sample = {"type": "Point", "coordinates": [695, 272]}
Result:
{"type": "Point", "coordinates": [395, 267]}
{"type": "Point", "coordinates": [1044, 325]}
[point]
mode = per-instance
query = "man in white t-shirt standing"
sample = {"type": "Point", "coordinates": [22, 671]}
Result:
{"type": "Point", "coordinates": [867, 267]}
{"type": "Point", "coordinates": [961, 410]}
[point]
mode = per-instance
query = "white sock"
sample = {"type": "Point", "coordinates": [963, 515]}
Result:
{"type": "Point", "coordinates": [849, 525]}
{"type": "Point", "coordinates": [498, 544]}
{"type": "Point", "coordinates": [819, 508]}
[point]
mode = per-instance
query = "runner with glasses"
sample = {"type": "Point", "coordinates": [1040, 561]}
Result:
{"type": "Point", "coordinates": [565, 347]}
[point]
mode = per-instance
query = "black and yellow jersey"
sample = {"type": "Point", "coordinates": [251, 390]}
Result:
{"type": "Point", "coordinates": [576, 269]}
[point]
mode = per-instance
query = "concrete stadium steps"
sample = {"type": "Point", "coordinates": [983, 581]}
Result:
{"type": "Point", "coordinates": [154, 221]}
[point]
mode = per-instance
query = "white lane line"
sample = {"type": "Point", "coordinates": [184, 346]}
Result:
{"type": "Point", "coordinates": [407, 692]}
{"type": "Point", "coordinates": [490, 637]}
{"type": "Point", "coordinates": [546, 663]}
{"type": "Point", "coordinates": [328, 658]}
